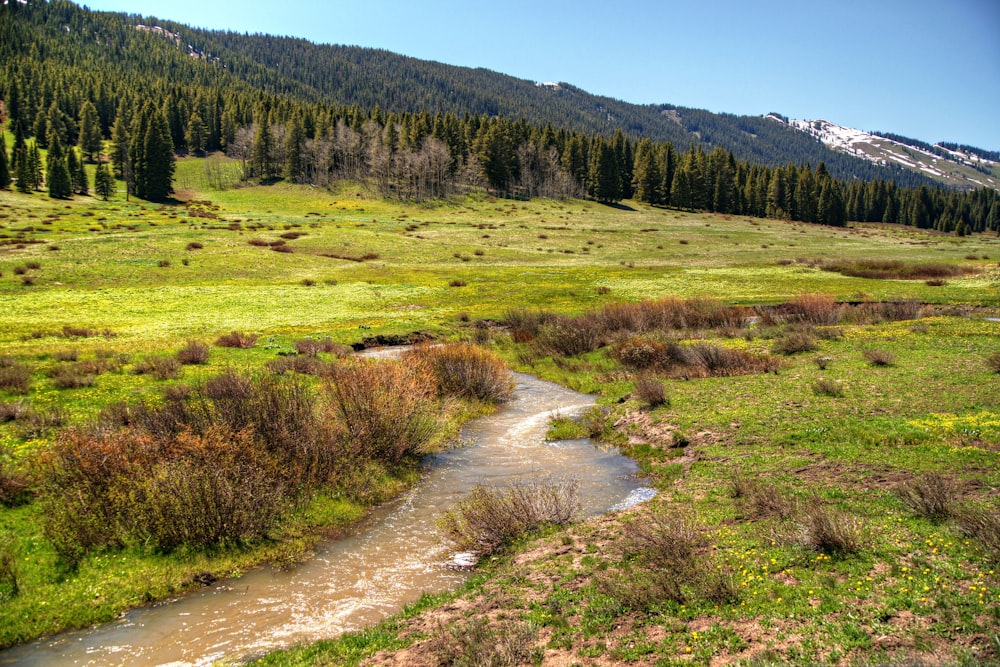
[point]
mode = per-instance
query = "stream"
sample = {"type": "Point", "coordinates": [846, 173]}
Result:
{"type": "Point", "coordinates": [393, 557]}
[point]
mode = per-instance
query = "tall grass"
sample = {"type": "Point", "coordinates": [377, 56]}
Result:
{"type": "Point", "coordinates": [465, 371]}
{"type": "Point", "coordinates": [490, 518]}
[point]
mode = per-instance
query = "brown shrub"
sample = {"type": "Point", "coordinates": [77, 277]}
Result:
{"type": "Point", "coordinates": [490, 518]}
{"type": "Point", "coordinates": [237, 339]}
{"type": "Point", "coordinates": [650, 390]}
{"type": "Point", "coordinates": [827, 387]}
{"type": "Point", "coordinates": [569, 336]}
{"type": "Point", "coordinates": [879, 357]}
{"type": "Point", "coordinates": [982, 523]}
{"type": "Point", "coordinates": [465, 371]}
{"type": "Point", "coordinates": [931, 496]}
{"type": "Point", "coordinates": [760, 499]}
{"type": "Point", "coordinates": [298, 363]}
{"type": "Point", "coordinates": [67, 355]}
{"type": "Point", "coordinates": [193, 353]}
{"type": "Point", "coordinates": [819, 309]}
{"type": "Point", "coordinates": [829, 531]}
{"type": "Point", "coordinates": [993, 362]}
{"type": "Point", "coordinates": [282, 248]}
{"type": "Point", "coordinates": [15, 486]}
{"type": "Point", "coordinates": [10, 412]}
{"type": "Point", "coordinates": [457, 283]}
{"type": "Point", "coordinates": [640, 352]}
{"type": "Point", "coordinates": [895, 269]}
{"type": "Point", "coordinates": [162, 368]}
{"type": "Point", "coordinates": [385, 406]}
{"type": "Point", "coordinates": [15, 377]}
{"type": "Point", "coordinates": [482, 642]}
{"type": "Point", "coordinates": [794, 342]}
{"type": "Point", "coordinates": [194, 245]}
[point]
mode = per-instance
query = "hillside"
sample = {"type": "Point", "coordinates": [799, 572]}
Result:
{"type": "Point", "coordinates": [85, 50]}
{"type": "Point", "coordinates": [953, 165]}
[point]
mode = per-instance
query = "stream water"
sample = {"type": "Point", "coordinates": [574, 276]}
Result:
{"type": "Point", "coordinates": [394, 556]}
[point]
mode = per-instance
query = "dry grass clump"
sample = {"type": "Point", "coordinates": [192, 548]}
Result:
{"type": "Point", "coordinates": [993, 362]}
{"type": "Point", "coordinates": [465, 371]}
{"type": "Point", "coordinates": [297, 363]}
{"type": "Point", "coordinates": [237, 339]}
{"type": "Point", "coordinates": [830, 531]}
{"type": "Point", "coordinates": [888, 269]}
{"type": "Point", "coordinates": [879, 357]}
{"type": "Point", "coordinates": [827, 387]}
{"type": "Point", "coordinates": [569, 336]}
{"type": "Point", "coordinates": [819, 309]}
{"type": "Point", "coordinates": [794, 342]}
{"type": "Point", "coordinates": [640, 352]}
{"type": "Point", "coordinates": [195, 352]}
{"type": "Point", "coordinates": [931, 496]}
{"type": "Point", "coordinates": [650, 390]}
{"type": "Point", "coordinates": [161, 368]}
{"type": "Point", "coordinates": [310, 347]}
{"type": "Point", "coordinates": [982, 523]}
{"type": "Point", "coordinates": [15, 377]}
{"type": "Point", "coordinates": [760, 499]}
{"type": "Point", "coordinates": [15, 486]}
{"type": "Point", "coordinates": [385, 407]}
{"type": "Point", "coordinates": [490, 518]}
{"type": "Point", "coordinates": [11, 412]}
{"type": "Point", "coordinates": [482, 642]}
{"type": "Point", "coordinates": [67, 355]}
{"type": "Point", "coordinates": [194, 245]}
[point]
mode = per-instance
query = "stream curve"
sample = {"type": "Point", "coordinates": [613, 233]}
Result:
{"type": "Point", "coordinates": [394, 557]}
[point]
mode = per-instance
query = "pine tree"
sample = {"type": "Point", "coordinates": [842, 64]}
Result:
{"type": "Point", "coordinates": [646, 176]}
{"type": "Point", "coordinates": [261, 158]}
{"type": "Point", "coordinates": [104, 182]}
{"type": "Point", "coordinates": [91, 142]}
{"type": "Point", "coordinates": [604, 175]}
{"type": "Point", "coordinates": [40, 129]}
{"type": "Point", "coordinates": [196, 134]}
{"type": "Point", "coordinates": [157, 158]}
{"type": "Point", "coordinates": [34, 169]}
{"type": "Point", "coordinates": [294, 167]}
{"type": "Point", "coordinates": [77, 173]}
{"type": "Point", "coordinates": [120, 145]}
{"type": "Point", "coordinates": [57, 175]}
{"type": "Point", "coordinates": [4, 169]}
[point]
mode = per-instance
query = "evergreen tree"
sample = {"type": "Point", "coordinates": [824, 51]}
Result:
{"type": "Point", "coordinates": [77, 173]}
{"type": "Point", "coordinates": [646, 177]}
{"type": "Point", "coordinates": [104, 182]}
{"type": "Point", "coordinates": [4, 169]}
{"type": "Point", "coordinates": [993, 218]}
{"type": "Point", "coordinates": [604, 176]}
{"type": "Point", "coordinates": [34, 169]}
{"type": "Point", "coordinates": [196, 134]}
{"type": "Point", "coordinates": [294, 168]}
{"type": "Point", "coordinates": [57, 175]}
{"type": "Point", "coordinates": [91, 142]}
{"type": "Point", "coordinates": [40, 129]}
{"type": "Point", "coordinates": [157, 159]}
{"type": "Point", "coordinates": [120, 145]}
{"type": "Point", "coordinates": [261, 155]}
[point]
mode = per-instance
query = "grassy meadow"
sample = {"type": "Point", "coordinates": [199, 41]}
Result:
{"type": "Point", "coordinates": [786, 476]}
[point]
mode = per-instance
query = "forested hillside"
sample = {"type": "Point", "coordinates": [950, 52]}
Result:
{"type": "Point", "coordinates": [63, 53]}
{"type": "Point", "coordinates": [285, 108]}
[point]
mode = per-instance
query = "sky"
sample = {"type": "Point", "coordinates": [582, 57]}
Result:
{"type": "Point", "coordinates": [927, 69]}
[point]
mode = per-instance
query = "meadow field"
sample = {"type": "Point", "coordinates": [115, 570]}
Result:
{"type": "Point", "coordinates": [800, 396]}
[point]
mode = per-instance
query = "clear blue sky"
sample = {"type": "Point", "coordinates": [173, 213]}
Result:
{"type": "Point", "coordinates": [928, 69]}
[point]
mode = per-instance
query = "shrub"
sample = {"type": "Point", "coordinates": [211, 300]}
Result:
{"type": "Point", "coordinates": [936, 282]}
{"type": "Point", "coordinates": [163, 263]}
{"type": "Point", "coordinates": [162, 368]}
{"type": "Point", "coordinates": [651, 391]}
{"type": "Point", "coordinates": [760, 499]}
{"type": "Point", "coordinates": [481, 642]}
{"type": "Point", "coordinates": [817, 309]}
{"type": "Point", "coordinates": [306, 365]}
{"type": "Point", "coordinates": [665, 549]}
{"type": "Point", "coordinates": [825, 387]}
{"type": "Point", "coordinates": [931, 496]}
{"type": "Point", "coordinates": [10, 412]}
{"type": "Point", "coordinates": [489, 518]}
{"type": "Point", "coordinates": [879, 357]}
{"type": "Point", "coordinates": [14, 486]}
{"type": "Point", "coordinates": [74, 376]}
{"type": "Point", "coordinates": [193, 353]}
{"type": "Point", "coordinates": [123, 487]}
{"type": "Point", "coordinates": [822, 362]}
{"type": "Point", "coordinates": [9, 586]}
{"type": "Point", "coordinates": [569, 336]}
{"type": "Point", "coordinates": [385, 406]}
{"type": "Point", "coordinates": [457, 283]}
{"type": "Point", "coordinates": [237, 339]}
{"type": "Point", "coordinates": [15, 377]}
{"type": "Point", "coordinates": [983, 524]}
{"type": "Point", "coordinates": [829, 531]}
{"type": "Point", "coordinates": [466, 371]}
{"type": "Point", "coordinates": [67, 355]}
{"type": "Point", "coordinates": [194, 245]}
{"type": "Point", "coordinates": [282, 248]}
{"type": "Point", "coordinates": [640, 352]}
{"type": "Point", "coordinates": [794, 342]}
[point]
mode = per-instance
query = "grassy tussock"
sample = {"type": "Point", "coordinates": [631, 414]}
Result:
{"type": "Point", "coordinates": [195, 352]}
{"type": "Point", "coordinates": [15, 377]}
{"type": "Point", "coordinates": [650, 390]}
{"type": "Point", "coordinates": [931, 496]}
{"type": "Point", "coordinates": [895, 269]}
{"type": "Point", "coordinates": [794, 342]}
{"type": "Point", "coordinates": [827, 387]}
{"type": "Point", "coordinates": [237, 339]}
{"type": "Point", "coordinates": [993, 362]}
{"type": "Point", "coordinates": [982, 523]}
{"type": "Point", "coordinates": [830, 531]}
{"type": "Point", "coordinates": [483, 642]}
{"type": "Point", "coordinates": [385, 408]}
{"type": "Point", "coordinates": [694, 360]}
{"type": "Point", "coordinates": [880, 358]}
{"type": "Point", "coordinates": [491, 518]}
{"type": "Point", "coordinates": [465, 371]}
{"type": "Point", "coordinates": [161, 368]}
{"type": "Point", "coordinates": [760, 499]}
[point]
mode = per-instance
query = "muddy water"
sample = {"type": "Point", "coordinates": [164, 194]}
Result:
{"type": "Point", "coordinates": [354, 582]}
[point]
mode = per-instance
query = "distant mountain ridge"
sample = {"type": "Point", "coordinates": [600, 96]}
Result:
{"type": "Point", "coordinates": [948, 163]}
{"type": "Point", "coordinates": [161, 53]}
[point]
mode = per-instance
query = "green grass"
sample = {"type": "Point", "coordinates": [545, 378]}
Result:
{"type": "Point", "coordinates": [125, 267]}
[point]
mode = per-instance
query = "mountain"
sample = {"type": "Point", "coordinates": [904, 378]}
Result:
{"type": "Point", "coordinates": [951, 164]}
{"type": "Point", "coordinates": [105, 55]}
